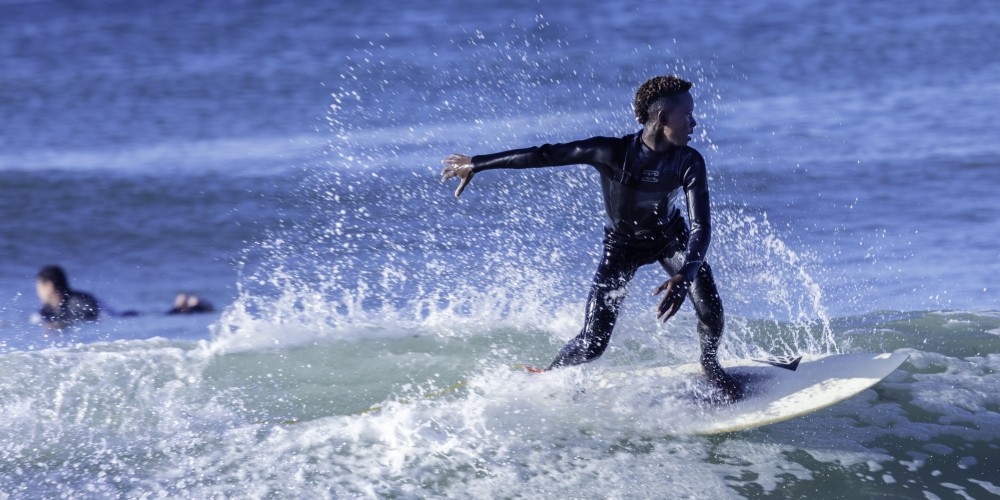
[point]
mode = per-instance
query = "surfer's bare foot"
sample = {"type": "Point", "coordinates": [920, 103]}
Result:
{"type": "Point", "coordinates": [728, 386]}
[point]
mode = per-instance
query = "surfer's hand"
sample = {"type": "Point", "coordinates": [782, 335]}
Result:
{"type": "Point", "coordinates": [676, 289]}
{"type": "Point", "coordinates": [459, 166]}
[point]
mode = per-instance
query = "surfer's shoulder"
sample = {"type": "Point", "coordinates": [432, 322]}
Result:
{"type": "Point", "coordinates": [606, 141]}
{"type": "Point", "coordinates": [692, 154]}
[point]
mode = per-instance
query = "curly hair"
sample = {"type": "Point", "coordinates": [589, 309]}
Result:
{"type": "Point", "coordinates": [653, 90]}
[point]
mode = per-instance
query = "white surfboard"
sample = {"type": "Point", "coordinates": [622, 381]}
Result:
{"type": "Point", "coordinates": [776, 390]}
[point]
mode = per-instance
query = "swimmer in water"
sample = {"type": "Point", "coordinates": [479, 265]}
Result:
{"type": "Point", "coordinates": [190, 304]}
{"type": "Point", "coordinates": [61, 305]}
{"type": "Point", "coordinates": [641, 174]}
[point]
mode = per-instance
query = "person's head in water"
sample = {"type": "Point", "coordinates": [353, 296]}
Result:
{"type": "Point", "coordinates": [664, 107]}
{"type": "Point", "coordinates": [61, 305]}
{"type": "Point", "coordinates": [51, 285]}
{"type": "Point", "coordinates": [188, 304]}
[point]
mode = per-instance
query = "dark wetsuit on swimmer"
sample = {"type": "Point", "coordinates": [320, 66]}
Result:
{"type": "Point", "coordinates": [75, 306]}
{"type": "Point", "coordinates": [643, 226]}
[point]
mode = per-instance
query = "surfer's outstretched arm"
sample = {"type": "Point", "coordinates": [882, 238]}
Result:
{"type": "Point", "coordinates": [600, 152]}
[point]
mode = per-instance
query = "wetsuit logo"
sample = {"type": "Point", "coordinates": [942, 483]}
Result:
{"type": "Point", "coordinates": [650, 176]}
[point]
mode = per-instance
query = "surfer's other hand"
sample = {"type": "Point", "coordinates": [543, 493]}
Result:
{"type": "Point", "coordinates": [459, 166]}
{"type": "Point", "coordinates": [675, 291]}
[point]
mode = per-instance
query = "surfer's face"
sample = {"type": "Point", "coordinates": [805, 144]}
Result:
{"type": "Point", "coordinates": [679, 120]}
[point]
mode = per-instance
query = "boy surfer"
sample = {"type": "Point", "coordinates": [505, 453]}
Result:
{"type": "Point", "coordinates": [641, 174]}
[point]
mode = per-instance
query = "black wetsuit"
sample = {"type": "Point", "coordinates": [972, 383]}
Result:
{"type": "Point", "coordinates": [75, 306]}
{"type": "Point", "coordinates": [643, 226]}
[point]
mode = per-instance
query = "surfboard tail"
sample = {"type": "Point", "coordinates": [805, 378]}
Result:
{"type": "Point", "coordinates": [790, 364]}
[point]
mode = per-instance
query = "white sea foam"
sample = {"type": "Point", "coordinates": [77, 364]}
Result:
{"type": "Point", "coordinates": [203, 419]}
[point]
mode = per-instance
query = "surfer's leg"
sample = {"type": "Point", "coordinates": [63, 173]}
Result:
{"type": "Point", "coordinates": [711, 322]}
{"type": "Point", "coordinates": [606, 296]}
{"type": "Point", "coordinates": [707, 304]}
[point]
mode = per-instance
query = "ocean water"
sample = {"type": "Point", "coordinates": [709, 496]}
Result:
{"type": "Point", "coordinates": [281, 160]}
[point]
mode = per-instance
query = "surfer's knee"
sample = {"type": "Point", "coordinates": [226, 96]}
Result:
{"type": "Point", "coordinates": [708, 304]}
{"type": "Point", "coordinates": [712, 317]}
